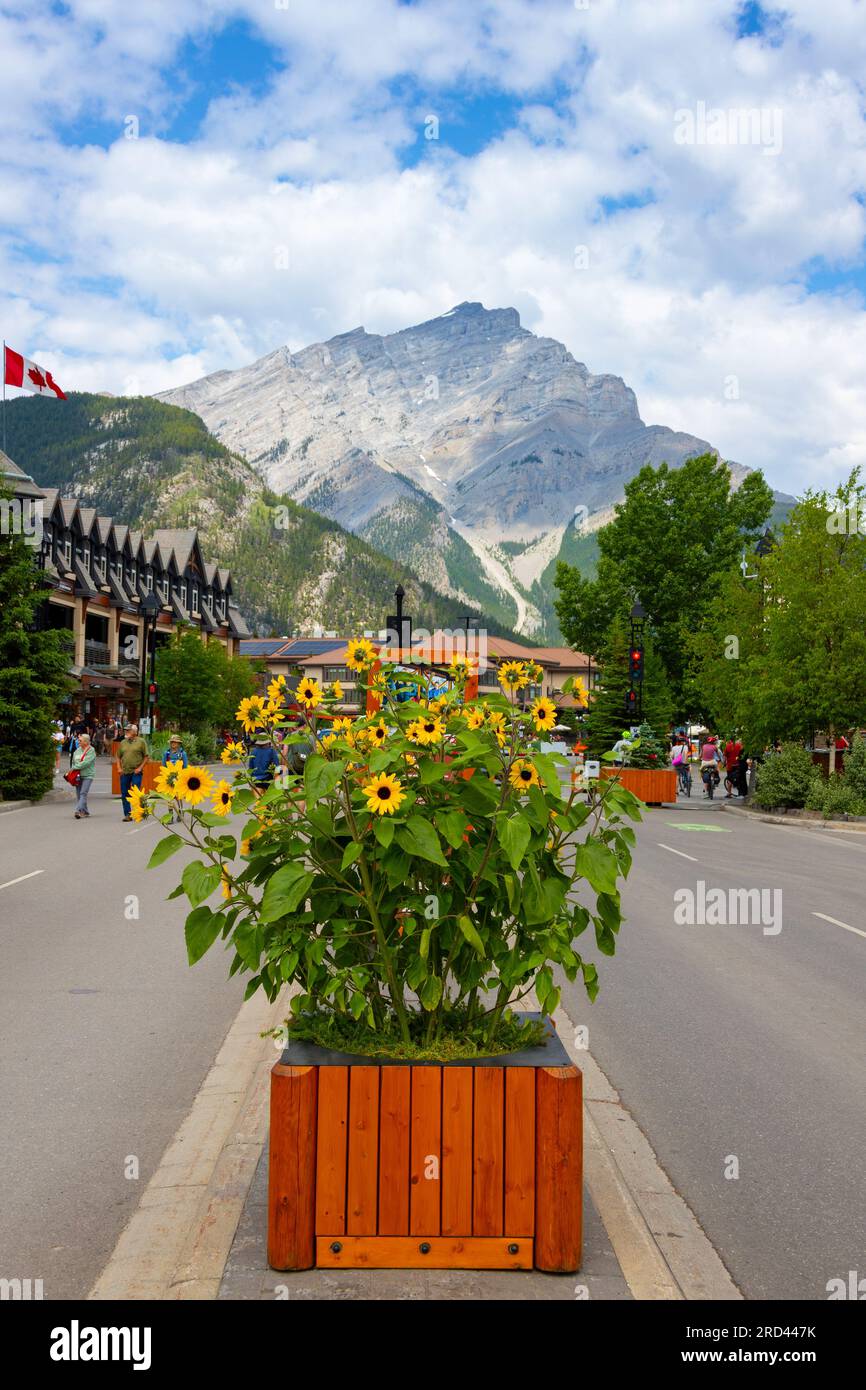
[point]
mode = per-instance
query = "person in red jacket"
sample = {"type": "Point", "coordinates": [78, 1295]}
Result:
{"type": "Point", "coordinates": [733, 749]}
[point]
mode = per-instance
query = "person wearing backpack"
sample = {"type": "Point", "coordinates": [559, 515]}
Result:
{"type": "Point", "coordinates": [680, 762]}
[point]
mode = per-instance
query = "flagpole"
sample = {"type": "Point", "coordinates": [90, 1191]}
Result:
{"type": "Point", "coordinates": [4, 395]}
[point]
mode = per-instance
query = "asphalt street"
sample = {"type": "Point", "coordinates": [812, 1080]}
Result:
{"type": "Point", "coordinates": [106, 1034]}
{"type": "Point", "coordinates": [729, 1042]}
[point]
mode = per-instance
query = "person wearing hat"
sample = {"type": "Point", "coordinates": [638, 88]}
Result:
{"type": "Point", "coordinates": [264, 760]}
{"type": "Point", "coordinates": [175, 752]}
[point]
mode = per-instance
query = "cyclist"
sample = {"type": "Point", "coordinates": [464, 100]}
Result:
{"type": "Point", "coordinates": [710, 759]}
{"type": "Point", "coordinates": [680, 764]}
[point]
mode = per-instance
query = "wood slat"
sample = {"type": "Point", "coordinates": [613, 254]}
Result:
{"type": "Point", "coordinates": [363, 1168]}
{"type": "Point", "coordinates": [331, 1150]}
{"type": "Point", "coordinates": [426, 1152]}
{"type": "Point", "coordinates": [292, 1168]}
{"type": "Point", "coordinates": [519, 1150]}
{"type": "Point", "coordinates": [394, 1151]}
{"type": "Point", "coordinates": [558, 1169]}
{"type": "Point", "coordinates": [403, 1252]}
{"type": "Point", "coordinates": [488, 1164]}
{"type": "Point", "coordinates": [457, 1151]}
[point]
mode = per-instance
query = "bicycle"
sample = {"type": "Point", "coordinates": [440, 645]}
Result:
{"type": "Point", "coordinates": [684, 779]}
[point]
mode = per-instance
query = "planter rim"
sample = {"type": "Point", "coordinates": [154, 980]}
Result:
{"type": "Point", "coordinates": [549, 1053]}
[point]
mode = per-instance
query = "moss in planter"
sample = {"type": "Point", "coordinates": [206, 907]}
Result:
{"type": "Point", "coordinates": [462, 1040]}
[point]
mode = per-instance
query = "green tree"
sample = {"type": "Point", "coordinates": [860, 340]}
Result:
{"type": "Point", "coordinates": [607, 716]}
{"type": "Point", "coordinates": [33, 675]}
{"type": "Point", "coordinates": [678, 532]}
{"type": "Point", "coordinates": [200, 685]}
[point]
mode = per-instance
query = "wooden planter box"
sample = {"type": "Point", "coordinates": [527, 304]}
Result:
{"type": "Point", "coordinates": [652, 785]}
{"type": "Point", "coordinates": [389, 1166]}
{"type": "Point", "coordinates": [150, 772]}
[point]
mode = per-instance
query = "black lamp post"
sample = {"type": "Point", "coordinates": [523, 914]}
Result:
{"type": "Point", "coordinates": [149, 612]}
{"type": "Point", "coordinates": [635, 662]}
{"type": "Point", "coordinates": [400, 623]}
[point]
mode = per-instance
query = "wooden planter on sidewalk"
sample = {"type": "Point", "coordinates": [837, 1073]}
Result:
{"type": "Point", "coordinates": [150, 771]}
{"type": "Point", "coordinates": [653, 785]}
{"type": "Point", "coordinates": [473, 1165]}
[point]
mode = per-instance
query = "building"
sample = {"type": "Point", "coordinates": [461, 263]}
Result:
{"type": "Point", "coordinates": [97, 571]}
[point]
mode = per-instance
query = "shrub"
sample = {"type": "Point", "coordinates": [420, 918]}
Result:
{"type": "Point", "coordinates": [836, 796]}
{"type": "Point", "coordinates": [785, 778]}
{"type": "Point", "coordinates": [855, 766]}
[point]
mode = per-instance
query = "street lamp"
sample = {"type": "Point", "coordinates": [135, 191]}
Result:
{"type": "Point", "coordinates": [149, 610]}
{"type": "Point", "coordinates": [634, 698]}
{"type": "Point", "coordinates": [400, 623]}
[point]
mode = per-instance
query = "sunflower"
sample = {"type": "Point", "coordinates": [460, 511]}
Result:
{"type": "Point", "coordinates": [194, 784]}
{"type": "Point", "coordinates": [428, 729]}
{"type": "Point", "coordinates": [534, 672]}
{"type": "Point", "coordinates": [336, 690]}
{"type": "Point", "coordinates": [384, 794]}
{"type": "Point", "coordinates": [274, 708]}
{"type": "Point", "coordinates": [166, 779]}
{"type": "Point", "coordinates": [361, 654]}
{"type": "Point", "coordinates": [474, 716]}
{"type": "Point", "coordinates": [245, 846]}
{"type": "Point", "coordinates": [579, 690]}
{"type": "Point", "coordinates": [277, 690]}
{"type": "Point", "coordinates": [308, 693]}
{"type": "Point", "coordinates": [377, 734]}
{"type": "Point", "coordinates": [461, 667]}
{"type": "Point", "coordinates": [138, 808]}
{"type": "Point", "coordinates": [222, 798]}
{"type": "Point", "coordinates": [544, 713]}
{"type": "Point", "coordinates": [342, 726]}
{"type": "Point", "coordinates": [233, 753]}
{"type": "Point", "coordinates": [226, 883]}
{"type": "Point", "coordinates": [496, 720]}
{"type": "Point", "coordinates": [436, 706]}
{"type": "Point", "coordinates": [328, 740]}
{"type": "Point", "coordinates": [512, 675]}
{"type": "Point", "coordinates": [251, 713]}
{"type": "Point", "coordinates": [523, 775]}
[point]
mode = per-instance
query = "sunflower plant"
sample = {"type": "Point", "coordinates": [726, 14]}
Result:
{"type": "Point", "coordinates": [425, 871]}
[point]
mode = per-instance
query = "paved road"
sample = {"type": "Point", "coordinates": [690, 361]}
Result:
{"type": "Point", "coordinates": [105, 1033]}
{"type": "Point", "coordinates": [726, 1041]}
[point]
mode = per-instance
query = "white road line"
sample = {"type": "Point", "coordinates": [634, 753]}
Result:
{"type": "Point", "coordinates": [22, 878]}
{"type": "Point", "coordinates": [670, 849]}
{"type": "Point", "coordinates": [837, 923]}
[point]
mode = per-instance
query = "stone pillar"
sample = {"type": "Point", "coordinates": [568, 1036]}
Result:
{"type": "Point", "coordinates": [114, 636]}
{"type": "Point", "coordinates": [79, 621]}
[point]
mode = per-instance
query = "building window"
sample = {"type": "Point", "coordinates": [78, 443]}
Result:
{"type": "Point", "coordinates": [148, 579]}
{"type": "Point", "coordinates": [195, 607]}
{"type": "Point", "coordinates": [67, 550]}
{"type": "Point", "coordinates": [339, 673]}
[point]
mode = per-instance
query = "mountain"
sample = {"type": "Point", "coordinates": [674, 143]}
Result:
{"type": "Point", "coordinates": [463, 445]}
{"type": "Point", "coordinates": [154, 465]}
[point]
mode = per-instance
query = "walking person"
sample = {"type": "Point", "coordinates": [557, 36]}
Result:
{"type": "Point", "coordinates": [175, 756]}
{"type": "Point", "coordinates": [131, 757]}
{"type": "Point", "coordinates": [733, 749]}
{"type": "Point", "coordinates": [264, 760]}
{"type": "Point", "coordinates": [84, 763]}
{"type": "Point", "coordinates": [58, 738]}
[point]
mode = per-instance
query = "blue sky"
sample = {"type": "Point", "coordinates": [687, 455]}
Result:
{"type": "Point", "coordinates": [280, 188]}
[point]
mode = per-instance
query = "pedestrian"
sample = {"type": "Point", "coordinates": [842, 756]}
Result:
{"type": "Point", "coordinates": [58, 739]}
{"type": "Point", "coordinates": [741, 774]}
{"type": "Point", "coordinates": [842, 746]}
{"type": "Point", "coordinates": [264, 759]}
{"type": "Point", "coordinates": [733, 749]}
{"type": "Point", "coordinates": [84, 763]}
{"type": "Point", "coordinates": [175, 752]}
{"type": "Point", "coordinates": [131, 757]}
{"type": "Point", "coordinates": [622, 748]}
{"type": "Point", "coordinates": [680, 762]}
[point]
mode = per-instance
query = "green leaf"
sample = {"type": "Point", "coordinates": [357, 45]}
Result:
{"type": "Point", "coordinates": [598, 865]}
{"type": "Point", "coordinates": [321, 776]}
{"type": "Point", "coordinates": [357, 1005]}
{"type": "Point", "coordinates": [514, 833]}
{"type": "Point", "coordinates": [432, 772]}
{"type": "Point", "coordinates": [164, 849]}
{"type": "Point", "coordinates": [201, 931]}
{"type": "Point", "coordinates": [199, 880]}
{"type": "Point", "coordinates": [546, 765]}
{"type": "Point", "coordinates": [453, 825]}
{"type": "Point", "coordinates": [430, 992]}
{"type": "Point", "coordinates": [353, 851]}
{"type": "Point", "coordinates": [418, 837]}
{"type": "Point", "coordinates": [289, 964]}
{"type": "Point", "coordinates": [424, 944]}
{"type": "Point", "coordinates": [470, 931]}
{"type": "Point", "coordinates": [383, 829]}
{"type": "Point", "coordinates": [283, 893]}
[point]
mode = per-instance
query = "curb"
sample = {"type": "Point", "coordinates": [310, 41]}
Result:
{"type": "Point", "coordinates": [176, 1243]}
{"type": "Point", "coordinates": [855, 827]}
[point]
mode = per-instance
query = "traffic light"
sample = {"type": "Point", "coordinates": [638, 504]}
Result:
{"type": "Point", "coordinates": [631, 703]}
{"type": "Point", "coordinates": [635, 665]}
{"type": "Point", "coordinates": [152, 693]}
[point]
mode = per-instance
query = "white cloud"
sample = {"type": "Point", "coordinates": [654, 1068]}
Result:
{"type": "Point", "coordinates": [156, 262]}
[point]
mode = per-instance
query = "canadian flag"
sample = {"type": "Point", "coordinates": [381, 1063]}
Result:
{"type": "Point", "coordinates": [20, 371]}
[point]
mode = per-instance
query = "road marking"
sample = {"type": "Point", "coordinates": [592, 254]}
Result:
{"type": "Point", "coordinates": [837, 923]}
{"type": "Point", "coordinates": [670, 849]}
{"type": "Point", "coordinates": [22, 878]}
{"type": "Point", "coordinates": [691, 825]}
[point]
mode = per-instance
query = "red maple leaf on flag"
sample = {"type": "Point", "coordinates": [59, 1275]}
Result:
{"type": "Point", "coordinates": [36, 377]}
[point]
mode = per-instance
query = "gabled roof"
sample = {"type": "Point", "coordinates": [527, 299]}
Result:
{"type": "Point", "coordinates": [121, 534]}
{"type": "Point", "coordinates": [565, 657]}
{"type": "Point", "coordinates": [210, 571]}
{"type": "Point", "coordinates": [237, 623]}
{"type": "Point", "coordinates": [135, 542]}
{"type": "Point", "coordinates": [68, 508]}
{"type": "Point", "coordinates": [86, 518]}
{"type": "Point", "coordinates": [224, 577]}
{"type": "Point", "coordinates": [180, 542]}
{"type": "Point", "coordinates": [149, 548]}
{"type": "Point", "coordinates": [103, 526]}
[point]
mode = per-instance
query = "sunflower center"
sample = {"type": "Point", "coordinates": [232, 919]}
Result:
{"type": "Point", "coordinates": [194, 784]}
{"type": "Point", "coordinates": [384, 794]}
{"type": "Point", "coordinates": [525, 774]}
